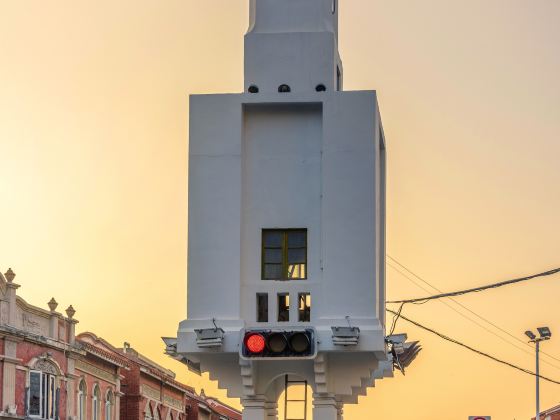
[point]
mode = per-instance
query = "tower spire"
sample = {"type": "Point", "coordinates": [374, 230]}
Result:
{"type": "Point", "coordinates": [293, 43]}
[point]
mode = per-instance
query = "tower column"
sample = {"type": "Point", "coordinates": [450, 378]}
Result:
{"type": "Point", "coordinates": [271, 410]}
{"type": "Point", "coordinates": [255, 408]}
{"type": "Point", "coordinates": [325, 407]}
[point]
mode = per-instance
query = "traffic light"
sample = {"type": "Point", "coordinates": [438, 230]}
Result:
{"type": "Point", "coordinates": [278, 343]}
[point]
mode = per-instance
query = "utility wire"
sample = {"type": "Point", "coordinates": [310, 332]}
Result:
{"type": "Point", "coordinates": [478, 289]}
{"type": "Point", "coordinates": [481, 353]}
{"type": "Point", "coordinates": [525, 350]}
{"type": "Point", "coordinates": [478, 324]}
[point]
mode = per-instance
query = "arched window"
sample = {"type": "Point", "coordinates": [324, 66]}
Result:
{"type": "Point", "coordinates": [109, 405]}
{"type": "Point", "coordinates": [44, 393]}
{"type": "Point", "coordinates": [95, 403]}
{"type": "Point", "coordinates": [148, 412]}
{"type": "Point", "coordinates": [82, 392]}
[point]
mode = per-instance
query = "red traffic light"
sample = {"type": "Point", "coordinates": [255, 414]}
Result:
{"type": "Point", "coordinates": [255, 343]}
{"type": "Point", "coordinates": [279, 343]}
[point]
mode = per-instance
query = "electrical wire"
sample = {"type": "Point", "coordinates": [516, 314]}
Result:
{"type": "Point", "coordinates": [479, 352]}
{"type": "Point", "coordinates": [478, 289]}
{"type": "Point", "coordinates": [525, 344]}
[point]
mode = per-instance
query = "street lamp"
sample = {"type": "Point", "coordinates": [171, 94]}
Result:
{"type": "Point", "coordinates": [544, 334]}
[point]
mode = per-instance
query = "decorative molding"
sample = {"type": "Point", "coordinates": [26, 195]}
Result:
{"type": "Point", "coordinates": [9, 359]}
{"type": "Point", "coordinates": [151, 392]}
{"type": "Point", "coordinates": [46, 366]}
{"type": "Point", "coordinates": [247, 377]}
{"type": "Point", "coordinates": [320, 371]}
{"type": "Point", "coordinates": [173, 402]}
{"type": "Point", "coordinates": [95, 371]}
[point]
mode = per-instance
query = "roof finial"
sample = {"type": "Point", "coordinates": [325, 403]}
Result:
{"type": "Point", "coordinates": [10, 275]}
{"type": "Point", "coordinates": [52, 304]}
{"type": "Point", "coordinates": [70, 311]}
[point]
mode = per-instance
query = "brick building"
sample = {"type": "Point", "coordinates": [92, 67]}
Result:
{"type": "Point", "coordinates": [550, 414]}
{"type": "Point", "coordinates": [47, 372]}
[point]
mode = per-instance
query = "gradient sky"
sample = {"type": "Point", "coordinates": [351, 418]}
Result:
{"type": "Point", "coordinates": [93, 172]}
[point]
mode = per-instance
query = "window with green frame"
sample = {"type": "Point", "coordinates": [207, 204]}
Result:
{"type": "Point", "coordinates": [284, 254]}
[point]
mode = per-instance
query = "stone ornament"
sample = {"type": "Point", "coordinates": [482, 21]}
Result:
{"type": "Point", "coordinates": [10, 275]}
{"type": "Point", "coordinates": [52, 304]}
{"type": "Point", "coordinates": [70, 311]}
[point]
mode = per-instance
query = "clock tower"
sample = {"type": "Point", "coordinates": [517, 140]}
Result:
{"type": "Point", "coordinates": [286, 247]}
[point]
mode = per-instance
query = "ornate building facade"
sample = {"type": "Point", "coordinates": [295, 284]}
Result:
{"type": "Point", "coordinates": [49, 373]}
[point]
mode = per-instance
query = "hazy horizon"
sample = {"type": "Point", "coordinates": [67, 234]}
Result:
{"type": "Point", "coordinates": [93, 178]}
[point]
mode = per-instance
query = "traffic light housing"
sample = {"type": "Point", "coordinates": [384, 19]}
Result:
{"type": "Point", "coordinates": [274, 344]}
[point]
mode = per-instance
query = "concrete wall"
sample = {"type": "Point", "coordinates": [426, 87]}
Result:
{"type": "Point", "coordinates": [292, 42]}
{"type": "Point", "coordinates": [281, 188]}
{"type": "Point", "coordinates": [310, 161]}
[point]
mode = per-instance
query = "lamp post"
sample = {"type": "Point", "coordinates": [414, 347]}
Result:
{"type": "Point", "coordinates": [544, 334]}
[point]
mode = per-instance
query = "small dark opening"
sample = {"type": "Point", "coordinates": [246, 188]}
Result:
{"type": "Point", "coordinates": [283, 307]}
{"type": "Point", "coordinates": [262, 307]}
{"type": "Point", "coordinates": [253, 89]}
{"type": "Point", "coordinates": [338, 79]}
{"type": "Point", "coordinates": [284, 89]}
{"type": "Point", "coordinates": [320, 88]}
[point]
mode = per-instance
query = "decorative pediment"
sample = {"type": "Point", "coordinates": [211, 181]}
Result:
{"type": "Point", "coordinates": [45, 363]}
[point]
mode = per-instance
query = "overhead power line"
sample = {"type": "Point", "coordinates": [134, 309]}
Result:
{"type": "Point", "coordinates": [479, 352]}
{"type": "Point", "coordinates": [524, 348]}
{"type": "Point", "coordinates": [477, 289]}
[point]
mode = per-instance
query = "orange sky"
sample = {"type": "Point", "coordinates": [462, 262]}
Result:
{"type": "Point", "coordinates": [93, 147]}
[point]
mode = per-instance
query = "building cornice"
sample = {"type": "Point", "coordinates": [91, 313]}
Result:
{"type": "Point", "coordinates": [16, 334]}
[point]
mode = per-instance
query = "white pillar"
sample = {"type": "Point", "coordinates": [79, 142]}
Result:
{"type": "Point", "coordinates": [12, 305]}
{"type": "Point", "coordinates": [9, 375]}
{"type": "Point", "coordinates": [271, 410]}
{"type": "Point", "coordinates": [325, 407]}
{"type": "Point", "coordinates": [254, 408]}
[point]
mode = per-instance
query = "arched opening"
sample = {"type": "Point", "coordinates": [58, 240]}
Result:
{"type": "Point", "coordinates": [293, 395]}
{"type": "Point", "coordinates": [109, 402]}
{"type": "Point", "coordinates": [44, 390]}
{"type": "Point", "coordinates": [95, 402]}
{"type": "Point", "coordinates": [148, 412]}
{"type": "Point", "coordinates": [82, 392]}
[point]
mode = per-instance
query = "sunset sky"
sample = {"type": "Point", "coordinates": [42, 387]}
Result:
{"type": "Point", "coordinates": [93, 173]}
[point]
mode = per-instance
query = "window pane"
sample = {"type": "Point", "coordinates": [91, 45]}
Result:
{"type": "Point", "coordinates": [34, 393]}
{"type": "Point", "coordinates": [296, 255]}
{"type": "Point", "coordinates": [44, 389]}
{"type": "Point", "coordinates": [295, 409]}
{"type": "Point", "coordinates": [273, 256]}
{"type": "Point", "coordinates": [283, 308]}
{"type": "Point", "coordinates": [297, 238]}
{"type": "Point", "coordinates": [273, 238]}
{"type": "Point", "coordinates": [304, 308]}
{"type": "Point", "coordinates": [51, 397]}
{"type": "Point", "coordinates": [262, 307]}
{"type": "Point", "coordinates": [272, 271]}
{"type": "Point", "coordinates": [297, 271]}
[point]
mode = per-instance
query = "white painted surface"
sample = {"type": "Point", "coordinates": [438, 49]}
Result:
{"type": "Point", "coordinates": [304, 159]}
{"type": "Point", "coordinates": [292, 42]}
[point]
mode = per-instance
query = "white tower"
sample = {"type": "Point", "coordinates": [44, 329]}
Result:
{"type": "Point", "coordinates": [287, 222]}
